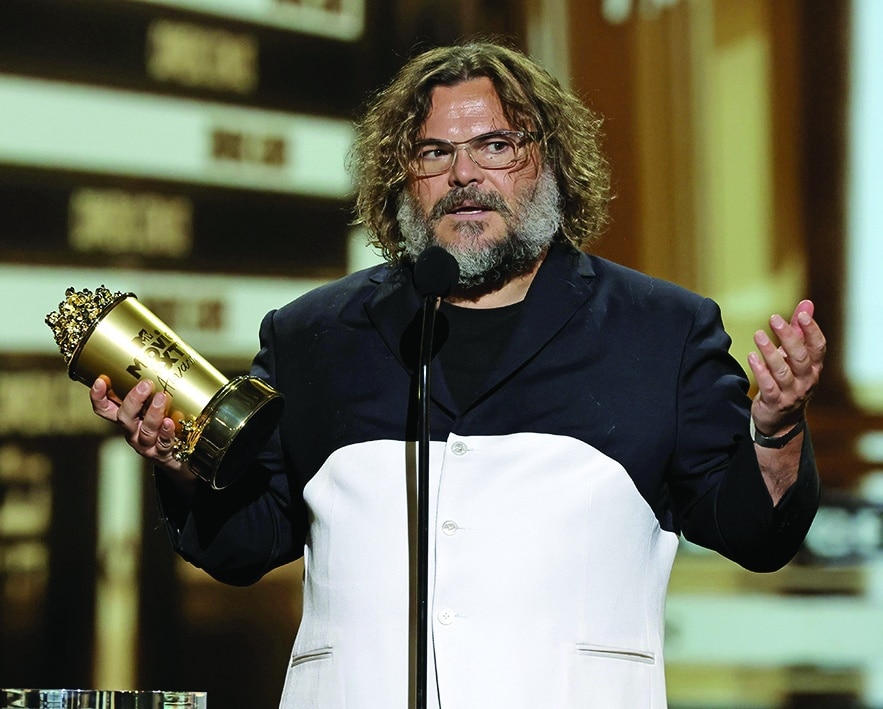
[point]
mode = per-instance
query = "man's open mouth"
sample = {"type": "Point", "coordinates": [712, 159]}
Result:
{"type": "Point", "coordinates": [467, 208]}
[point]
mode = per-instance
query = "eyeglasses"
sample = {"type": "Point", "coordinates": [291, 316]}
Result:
{"type": "Point", "coordinates": [492, 151]}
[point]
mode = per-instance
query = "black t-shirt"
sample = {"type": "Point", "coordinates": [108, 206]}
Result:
{"type": "Point", "coordinates": [477, 338]}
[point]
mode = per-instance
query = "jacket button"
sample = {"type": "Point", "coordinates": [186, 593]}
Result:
{"type": "Point", "coordinates": [446, 616]}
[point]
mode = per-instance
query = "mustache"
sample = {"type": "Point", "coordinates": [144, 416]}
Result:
{"type": "Point", "coordinates": [483, 199]}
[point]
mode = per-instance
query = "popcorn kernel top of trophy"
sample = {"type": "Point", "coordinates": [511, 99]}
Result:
{"type": "Point", "coordinates": [221, 424]}
{"type": "Point", "coordinates": [79, 311]}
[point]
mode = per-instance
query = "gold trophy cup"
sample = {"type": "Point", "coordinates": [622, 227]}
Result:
{"type": "Point", "coordinates": [220, 424]}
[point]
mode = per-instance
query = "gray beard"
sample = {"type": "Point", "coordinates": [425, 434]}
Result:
{"type": "Point", "coordinates": [530, 228]}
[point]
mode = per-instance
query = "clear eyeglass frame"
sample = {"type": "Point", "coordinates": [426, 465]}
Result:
{"type": "Point", "coordinates": [496, 150]}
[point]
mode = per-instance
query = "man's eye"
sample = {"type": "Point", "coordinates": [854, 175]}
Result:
{"type": "Point", "coordinates": [496, 146]}
{"type": "Point", "coordinates": [432, 153]}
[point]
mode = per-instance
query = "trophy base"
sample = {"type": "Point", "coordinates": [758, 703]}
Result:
{"type": "Point", "coordinates": [232, 428]}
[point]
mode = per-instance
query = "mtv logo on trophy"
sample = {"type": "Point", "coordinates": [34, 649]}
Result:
{"type": "Point", "coordinates": [220, 424]}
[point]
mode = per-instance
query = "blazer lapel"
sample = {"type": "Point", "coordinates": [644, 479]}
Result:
{"type": "Point", "coordinates": [562, 285]}
{"type": "Point", "coordinates": [395, 311]}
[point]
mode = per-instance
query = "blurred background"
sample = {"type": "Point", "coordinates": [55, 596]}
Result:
{"type": "Point", "coordinates": [193, 152]}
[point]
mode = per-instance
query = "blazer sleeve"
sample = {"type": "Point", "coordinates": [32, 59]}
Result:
{"type": "Point", "coordinates": [240, 533]}
{"type": "Point", "coordinates": [715, 480]}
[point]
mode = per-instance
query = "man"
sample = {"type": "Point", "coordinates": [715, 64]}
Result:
{"type": "Point", "coordinates": [583, 415]}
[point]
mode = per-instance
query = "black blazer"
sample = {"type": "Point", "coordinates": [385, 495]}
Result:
{"type": "Point", "coordinates": [634, 366]}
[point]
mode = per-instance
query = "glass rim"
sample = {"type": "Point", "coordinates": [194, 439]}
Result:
{"type": "Point", "coordinates": [27, 698]}
{"type": "Point", "coordinates": [521, 135]}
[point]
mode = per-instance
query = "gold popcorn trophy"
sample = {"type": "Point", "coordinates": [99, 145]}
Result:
{"type": "Point", "coordinates": [220, 424]}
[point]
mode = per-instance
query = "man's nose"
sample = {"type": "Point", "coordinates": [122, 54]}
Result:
{"type": "Point", "coordinates": [464, 170]}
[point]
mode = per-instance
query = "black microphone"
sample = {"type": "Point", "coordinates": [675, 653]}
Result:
{"type": "Point", "coordinates": [436, 272]}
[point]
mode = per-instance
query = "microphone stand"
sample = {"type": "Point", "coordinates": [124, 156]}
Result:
{"type": "Point", "coordinates": [435, 274]}
{"type": "Point", "coordinates": [430, 304]}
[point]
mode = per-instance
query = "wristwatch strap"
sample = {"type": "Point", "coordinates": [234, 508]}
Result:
{"type": "Point", "coordinates": [775, 441]}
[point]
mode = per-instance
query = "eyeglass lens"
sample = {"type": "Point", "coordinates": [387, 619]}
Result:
{"type": "Point", "coordinates": [493, 151]}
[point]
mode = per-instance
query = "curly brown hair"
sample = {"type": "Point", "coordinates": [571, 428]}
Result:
{"type": "Point", "coordinates": [569, 135]}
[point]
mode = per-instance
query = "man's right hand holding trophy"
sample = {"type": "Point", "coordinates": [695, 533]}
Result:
{"type": "Point", "coordinates": [177, 410]}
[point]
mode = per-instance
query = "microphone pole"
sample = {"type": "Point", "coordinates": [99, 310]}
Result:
{"type": "Point", "coordinates": [435, 274]}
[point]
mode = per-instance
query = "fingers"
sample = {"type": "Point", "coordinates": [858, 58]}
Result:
{"type": "Point", "coordinates": [101, 402]}
{"type": "Point", "coordinates": [162, 448]}
{"type": "Point", "coordinates": [804, 306]}
{"type": "Point", "coordinates": [131, 408]}
{"type": "Point", "coordinates": [151, 423]}
{"type": "Point", "coordinates": [787, 374]}
{"type": "Point", "coordinates": [142, 417]}
{"type": "Point", "coordinates": [793, 359]}
{"type": "Point", "coordinates": [165, 438]}
{"type": "Point", "coordinates": [813, 337]}
{"type": "Point", "coordinates": [771, 370]}
{"type": "Point", "coordinates": [152, 433]}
